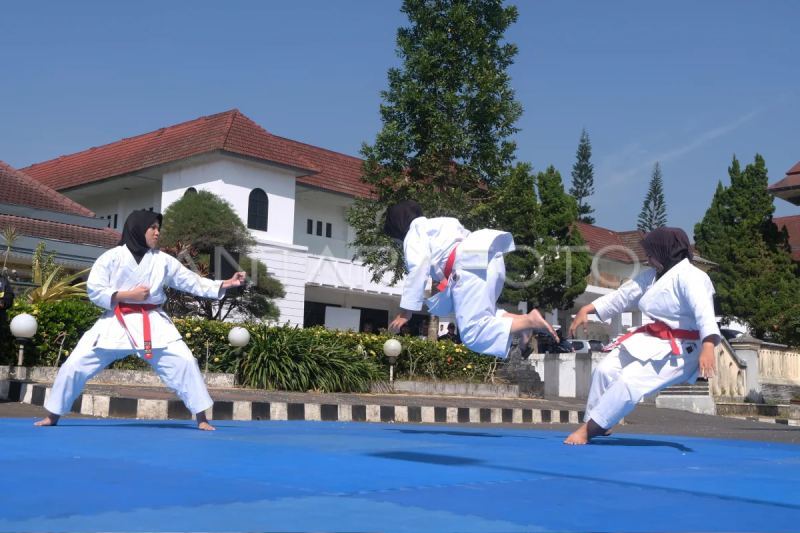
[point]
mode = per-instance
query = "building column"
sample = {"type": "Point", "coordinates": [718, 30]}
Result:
{"type": "Point", "coordinates": [552, 317]}
{"type": "Point", "coordinates": [616, 327]}
{"type": "Point", "coordinates": [636, 319]}
{"type": "Point", "coordinates": [523, 308]}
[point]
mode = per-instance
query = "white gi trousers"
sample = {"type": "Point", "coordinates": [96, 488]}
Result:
{"type": "Point", "coordinates": [174, 364]}
{"type": "Point", "coordinates": [480, 323]}
{"type": "Point", "coordinates": [620, 381]}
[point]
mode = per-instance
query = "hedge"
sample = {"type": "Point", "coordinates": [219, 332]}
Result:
{"type": "Point", "coordinates": [278, 357]}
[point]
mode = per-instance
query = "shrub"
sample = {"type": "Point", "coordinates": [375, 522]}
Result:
{"type": "Point", "coordinates": [59, 320]}
{"type": "Point", "coordinates": [278, 357]}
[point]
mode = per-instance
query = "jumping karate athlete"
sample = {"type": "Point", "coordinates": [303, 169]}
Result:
{"type": "Point", "coordinates": [472, 273]}
{"type": "Point", "coordinates": [677, 347]}
{"type": "Point", "coordinates": [128, 282]}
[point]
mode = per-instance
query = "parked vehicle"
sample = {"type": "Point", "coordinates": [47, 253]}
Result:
{"type": "Point", "coordinates": [547, 344]}
{"type": "Point", "coordinates": [730, 334]}
{"type": "Point", "coordinates": [586, 346]}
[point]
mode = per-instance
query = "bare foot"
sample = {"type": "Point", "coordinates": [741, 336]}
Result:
{"type": "Point", "coordinates": [51, 420]}
{"type": "Point", "coordinates": [202, 422]}
{"type": "Point", "coordinates": [586, 433]}
{"type": "Point", "coordinates": [537, 321]}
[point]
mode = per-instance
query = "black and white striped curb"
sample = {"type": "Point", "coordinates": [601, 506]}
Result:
{"type": "Point", "coordinates": [783, 421]}
{"type": "Point", "coordinates": [146, 409]}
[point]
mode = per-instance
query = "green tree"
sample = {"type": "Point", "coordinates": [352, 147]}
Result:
{"type": "Point", "coordinates": [583, 179]}
{"type": "Point", "coordinates": [205, 221]}
{"type": "Point", "coordinates": [756, 280]}
{"type": "Point", "coordinates": [549, 269]}
{"type": "Point", "coordinates": [654, 210]}
{"type": "Point", "coordinates": [194, 227]}
{"type": "Point", "coordinates": [447, 115]}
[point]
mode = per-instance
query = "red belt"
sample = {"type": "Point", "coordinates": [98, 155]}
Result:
{"type": "Point", "coordinates": [662, 331]}
{"type": "Point", "coordinates": [448, 269]}
{"type": "Point", "coordinates": [127, 309]}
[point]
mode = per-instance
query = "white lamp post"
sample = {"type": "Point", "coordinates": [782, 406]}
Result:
{"type": "Point", "coordinates": [392, 349]}
{"type": "Point", "coordinates": [239, 337]}
{"type": "Point", "coordinates": [23, 327]}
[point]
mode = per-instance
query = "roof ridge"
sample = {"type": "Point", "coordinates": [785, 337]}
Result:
{"type": "Point", "coordinates": [320, 148]}
{"type": "Point", "coordinates": [308, 164]}
{"type": "Point", "coordinates": [128, 139]}
{"type": "Point", "coordinates": [228, 127]}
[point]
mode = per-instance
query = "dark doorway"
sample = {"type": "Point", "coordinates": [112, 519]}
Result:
{"type": "Point", "coordinates": [378, 317]}
{"type": "Point", "coordinates": [314, 313]}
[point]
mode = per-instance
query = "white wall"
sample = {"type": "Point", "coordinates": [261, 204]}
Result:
{"type": "Point", "coordinates": [336, 245]}
{"type": "Point", "coordinates": [287, 263]}
{"type": "Point", "coordinates": [348, 299]}
{"type": "Point", "coordinates": [233, 179]}
{"type": "Point", "coordinates": [124, 202]}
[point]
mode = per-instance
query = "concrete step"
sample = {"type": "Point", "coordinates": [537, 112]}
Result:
{"type": "Point", "coordinates": [769, 420]}
{"type": "Point", "coordinates": [159, 403]}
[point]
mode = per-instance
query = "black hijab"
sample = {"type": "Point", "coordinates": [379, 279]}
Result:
{"type": "Point", "coordinates": [668, 246]}
{"type": "Point", "coordinates": [133, 233]}
{"type": "Point", "coordinates": [399, 218]}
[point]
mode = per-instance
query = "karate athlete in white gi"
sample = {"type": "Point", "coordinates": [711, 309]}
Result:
{"type": "Point", "coordinates": [128, 282]}
{"type": "Point", "coordinates": [677, 347]}
{"type": "Point", "coordinates": [471, 272]}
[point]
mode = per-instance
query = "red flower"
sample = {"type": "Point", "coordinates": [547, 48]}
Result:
{"type": "Point", "coordinates": [448, 359]}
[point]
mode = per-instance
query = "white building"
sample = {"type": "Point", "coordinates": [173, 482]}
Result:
{"type": "Point", "coordinates": [294, 198]}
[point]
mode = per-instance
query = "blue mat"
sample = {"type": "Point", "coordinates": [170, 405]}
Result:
{"type": "Point", "coordinates": [113, 475]}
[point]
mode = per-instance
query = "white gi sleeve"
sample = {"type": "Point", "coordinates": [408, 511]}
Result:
{"type": "Point", "coordinates": [98, 286]}
{"type": "Point", "coordinates": [697, 292]}
{"type": "Point", "coordinates": [623, 298]}
{"type": "Point", "coordinates": [418, 263]}
{"type": "Point", "coordinates": [181, 278]}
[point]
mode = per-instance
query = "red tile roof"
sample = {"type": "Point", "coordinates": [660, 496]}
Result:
{"type": "Point", "coordinates": [792, 225]}
{"type": "Point", "coordinates": [105, 238]}
{"type": "Point", "coordinates": [792, 179]}
{"type": "Point", "coordinates": [612, 244]}
{"type": "Point", "coordinates": [20, 189]}
{"type": "Point", "coordinates": [230, 131]}
{"type": "Point", "coordinates": [338, 172]}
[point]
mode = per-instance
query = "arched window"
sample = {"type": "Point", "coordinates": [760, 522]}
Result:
{"type": "Point", "coordinates": [190, 190]}
{"type": "Point", "coordinates": [258, 210]}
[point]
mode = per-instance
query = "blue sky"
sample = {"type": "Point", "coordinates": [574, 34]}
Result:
{"type": "Point", "coordinates": [685, 83]}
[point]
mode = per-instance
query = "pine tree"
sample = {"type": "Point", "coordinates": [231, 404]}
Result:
{"type": "Point", "coordinates": [448, 117]}
{"type": "Point", "coordinates": [756, 281]}
{"type": "Point", "coordinates": [654, 211]}
{"type": "Point", "coordinates": [540, 277]}
{"type": "Point", "coordinates": [583, 179]}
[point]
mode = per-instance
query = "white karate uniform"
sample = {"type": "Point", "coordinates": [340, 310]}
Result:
{"type": "Point", "coordinates": [642, 364]}
{"type": "Point", "coordinates": [476, 280]}
{"type": "Point", "coordinates": [115, 271]}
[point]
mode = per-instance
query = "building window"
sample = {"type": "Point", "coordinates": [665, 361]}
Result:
{"type": "Point", "coordinates": [310, 227]}
{"type": "Point", "coordinates": [190, 190]}
{"type": "Point", "coordinates": [115, 221]}
{"type": "Point", "coordinates": [319, 228]}
{"type": "Point", "coordinates": [328, 230]}
{"type": "Point", "coordinates": [258, 210]}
